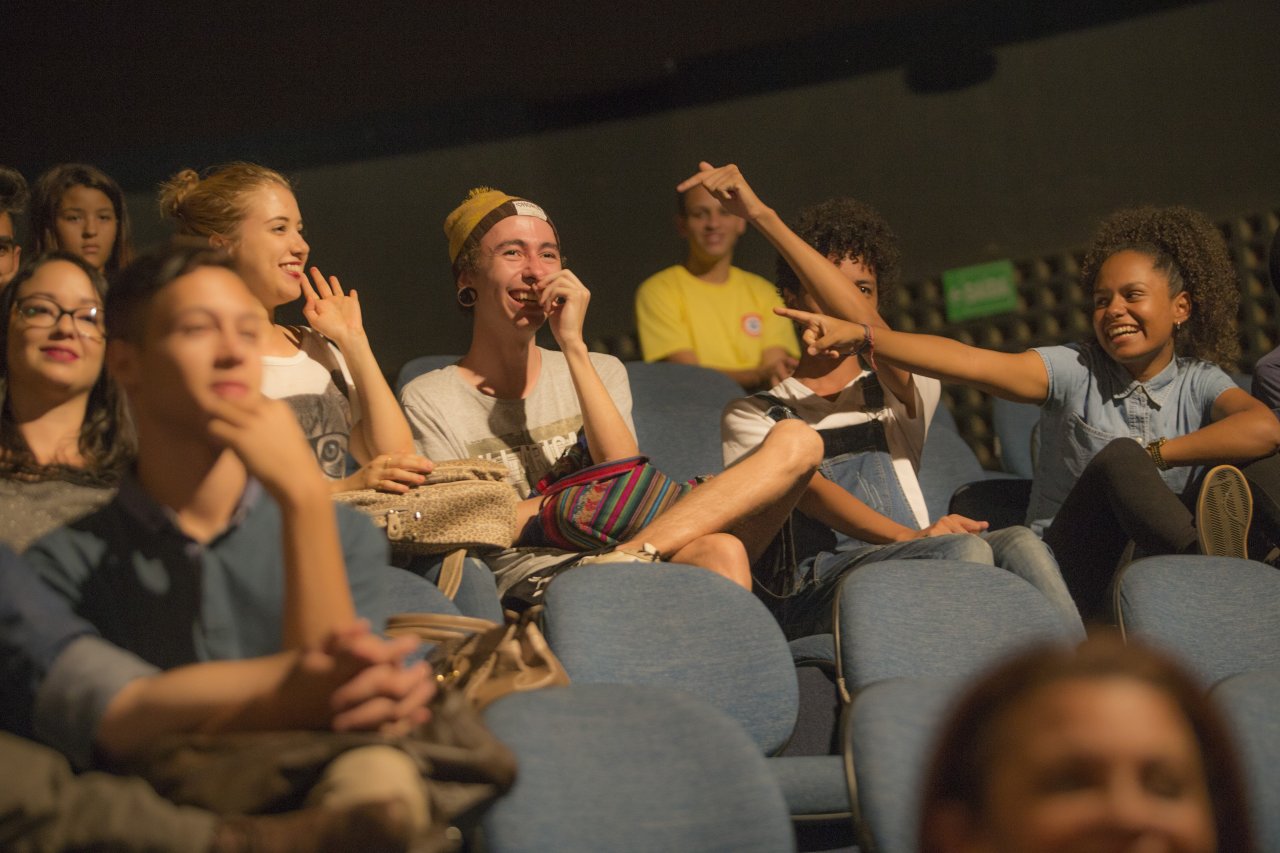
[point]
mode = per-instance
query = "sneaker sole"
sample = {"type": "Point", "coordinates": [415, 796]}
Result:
{"type": "Point", "coordinates": [1223, 512]}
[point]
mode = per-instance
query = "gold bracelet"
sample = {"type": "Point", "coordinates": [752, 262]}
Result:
{"type": "Point", "coordinates": [1156, 456]}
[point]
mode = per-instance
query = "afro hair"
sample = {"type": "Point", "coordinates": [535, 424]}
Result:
{"type": "Point", "coordinates": [1190, 250]}
{"type": "Point", "coordinates": [846, 228]}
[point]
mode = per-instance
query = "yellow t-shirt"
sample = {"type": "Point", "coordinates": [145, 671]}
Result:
{"type": "Point", "coordinates": [728, 326]}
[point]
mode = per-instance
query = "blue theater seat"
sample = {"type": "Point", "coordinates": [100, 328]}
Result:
{"type": "Point", "coordinates": [630, 768]}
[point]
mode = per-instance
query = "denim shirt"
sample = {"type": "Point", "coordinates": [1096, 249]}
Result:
{"type": "Point", "coordinates": [1093, 400]}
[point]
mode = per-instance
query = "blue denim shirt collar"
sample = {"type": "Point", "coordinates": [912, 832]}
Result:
{"type": "Point", "coordinates": [155, 518]}
{"type": "Point", "coordinates": [1157, 388]}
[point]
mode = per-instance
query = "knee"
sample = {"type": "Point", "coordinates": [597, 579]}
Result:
{"type": "Point", "coordinates": [800, 444]}
{"type": "Point", "coordinates": [725, 548]}
{"type": "Point", "coordinates": [966, 547]}
{"type": "Point", "coordinates": [1119, 456]}
{"type": "Point", "coordinates": [1020, 547]}
{"type": "Point", "coordinates": [725, 555]}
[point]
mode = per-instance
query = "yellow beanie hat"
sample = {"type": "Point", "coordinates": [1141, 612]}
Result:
{"type": "Point", "coordinates": [483, 208]}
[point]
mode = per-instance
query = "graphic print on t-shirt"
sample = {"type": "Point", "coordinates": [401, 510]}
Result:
{"type": "Point", "coordinates": [528, 454]}
{"type": "Point", "coordinates": [326, 422]}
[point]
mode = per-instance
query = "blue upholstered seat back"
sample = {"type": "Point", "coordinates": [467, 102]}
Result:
{"type": "Point", "coordinates": [678, 626]}
{"type": "Point", "coordinates": [1251, 702]}
{"type": "Point", "coordinates": [676, 409]}
{"type": "Point", "coordinates": [407, 592]}
{"type": "Point", "coordinates": [892, 727]}
{"type": "Point", "coordinates": [1015, 425]}
{"type": "Point", "coordinates": [415, 367]}
{"type": "Point", "coordinates": [936, 619]}
{"type": "Point", "coordinates": [631, 768]}
{"type": "Point", "coordinates": [1220, 615]}
{"type": "Point", "coordinates": [946, 464]}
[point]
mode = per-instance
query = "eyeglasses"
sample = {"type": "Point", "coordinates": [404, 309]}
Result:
{"type": "Point", "coordinates": [41, 313]}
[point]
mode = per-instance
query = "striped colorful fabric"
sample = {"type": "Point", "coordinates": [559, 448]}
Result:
{"type": "Point", "coordinates": [605, 504]}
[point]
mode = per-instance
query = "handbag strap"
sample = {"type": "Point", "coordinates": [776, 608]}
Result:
{"type": "Point", "coordinates": [451, 573]}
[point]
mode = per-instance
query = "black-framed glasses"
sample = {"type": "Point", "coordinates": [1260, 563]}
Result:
{"type": "Point", "coordinates": [43, 313]}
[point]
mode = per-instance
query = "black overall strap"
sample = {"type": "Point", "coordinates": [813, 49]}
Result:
{"type": "Point", "coordinates": [839, 441]}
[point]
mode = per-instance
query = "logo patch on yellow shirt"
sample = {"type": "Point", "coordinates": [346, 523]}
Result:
{"type": "Point", "coordinates": [752, 324]}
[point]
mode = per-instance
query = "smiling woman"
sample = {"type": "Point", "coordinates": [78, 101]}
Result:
{"type": "Point", "coordinates": [64, 436]}
{"type": "Point", "coordinates": [326, 371]}
{"type": "Point", "coordinates": [79, 209]}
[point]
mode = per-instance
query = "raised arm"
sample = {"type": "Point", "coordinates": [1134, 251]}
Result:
{"type": "Point", "coordinates": [1020, 377]}
{"type": "Point", "coordinates": [822, 280]}
{"type": "Point", "coordinates": [828, 503]}
{"type": "Point", "coordinates": [266, 436]}
{"type": "Point", "coordinates": [565, 300]}
{"type": "Point", "coordinates": [336, 315]}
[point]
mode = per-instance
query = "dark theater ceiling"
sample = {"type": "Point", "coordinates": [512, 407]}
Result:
{"type": "Point", "coordinates": [136, 86]}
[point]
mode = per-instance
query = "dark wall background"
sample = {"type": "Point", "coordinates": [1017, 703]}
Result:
{"type": "Point", "coordinates": [1066, 117]}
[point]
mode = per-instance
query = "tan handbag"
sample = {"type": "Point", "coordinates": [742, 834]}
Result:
{"type": "Point", "coordinates": [465, 505]}
{"type": "Point", "coordinates": [482, 659]}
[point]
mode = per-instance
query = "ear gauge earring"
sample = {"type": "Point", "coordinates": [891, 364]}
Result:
{"type": "Point", "coordinates": [467, 297]}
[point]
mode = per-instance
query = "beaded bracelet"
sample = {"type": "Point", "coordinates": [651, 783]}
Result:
{"type": "Point", "coordinates": [870, 347]}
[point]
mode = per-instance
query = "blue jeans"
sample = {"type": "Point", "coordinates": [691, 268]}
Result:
{"type": "Point", "coordinates": [478, 592]}
{"type": "Point", "coordinates": [1015, 549]}
{"type": "Point", "coordinates": [1019, 551]}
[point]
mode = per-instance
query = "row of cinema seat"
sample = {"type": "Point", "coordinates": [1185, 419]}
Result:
{"type": "Point", "coordinates": [692, 724]}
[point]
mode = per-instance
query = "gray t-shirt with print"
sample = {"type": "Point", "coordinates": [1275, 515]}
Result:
{"type": "Point", "coordinates": [451, 419]}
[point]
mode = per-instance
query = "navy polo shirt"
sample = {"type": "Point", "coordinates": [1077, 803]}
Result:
{"type": "Point", "coordinates": [147, 587]}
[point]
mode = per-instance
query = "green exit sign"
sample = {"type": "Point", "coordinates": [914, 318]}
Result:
{"type": "Point", "coordinates": [980, 291]}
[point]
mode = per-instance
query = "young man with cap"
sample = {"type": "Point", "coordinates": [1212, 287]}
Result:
{"type": "Point", "coordinates": [508, 399]}
{"type": "Point", "coordinates": [707, 311]}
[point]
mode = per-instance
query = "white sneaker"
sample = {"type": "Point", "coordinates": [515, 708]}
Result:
{"type": "Point", "coordinates": [646, 554]}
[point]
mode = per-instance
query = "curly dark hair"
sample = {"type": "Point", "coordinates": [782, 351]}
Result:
{"type": "Point", "coordinates": [106, 436]}
{"type": "Point", "coordinates": [1190, 250]}
{"type": "Point", "coordinates": [846, 228]}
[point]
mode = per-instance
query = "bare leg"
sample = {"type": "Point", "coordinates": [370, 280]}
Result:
{"type": "Point", "coordinates": [751, 499]}
{"type": "Point", "coordinates": [722, 553]}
